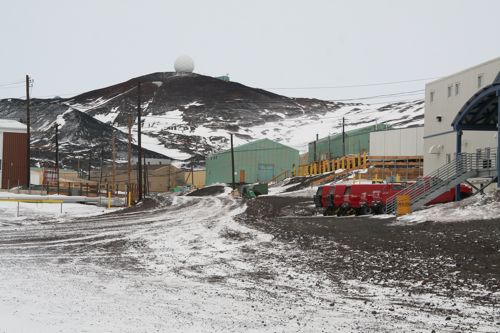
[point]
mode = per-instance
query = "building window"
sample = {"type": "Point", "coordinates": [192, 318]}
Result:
{"type": "Point", "coordinates": [431, 97]}
{"type": "Point", "coordinates": [457, 89]}
{"type": "Point", "coordinates": [449, 90]}
{"type": "Point", "coordinates": [480, 80]}
{"type": "Point", "coordinates": [448, 158]}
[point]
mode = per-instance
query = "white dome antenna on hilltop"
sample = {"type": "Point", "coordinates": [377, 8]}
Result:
{"type": "Point", "coordinates": [184, 64]}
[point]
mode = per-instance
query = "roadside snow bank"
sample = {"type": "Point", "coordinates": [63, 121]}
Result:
{"type": "Point", "coordinates": [479, 207]}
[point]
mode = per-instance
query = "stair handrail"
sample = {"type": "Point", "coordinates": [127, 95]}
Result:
{"type": "Point", "coordinates": [462, 164]}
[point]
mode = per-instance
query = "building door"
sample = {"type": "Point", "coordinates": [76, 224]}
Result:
{"type": "Point", "coordinates": [14, 160]}
{"type": "Point", "coordinates": [265, 172]}
{"type": "Point", "coordinates": [242, 176]}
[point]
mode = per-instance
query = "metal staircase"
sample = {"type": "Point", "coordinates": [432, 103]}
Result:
{"type": "Point", "coordinates": [463, 167]}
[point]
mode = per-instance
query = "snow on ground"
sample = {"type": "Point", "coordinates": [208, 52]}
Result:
{"type": "Point", "coordinates": [478, 207]}
{"type": "Point", "coordinates": [188, 267]}
{"type": "Point", "coordinates": [280, 187]}
{"type": "Point", "coordinates": [36, 212]}
{"type": "Point", "coordinates": [306, 192]}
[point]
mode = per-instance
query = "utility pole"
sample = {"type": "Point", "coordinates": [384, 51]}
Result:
{"type": "Point", "coordinates": [139, 148]}
{"type": "Point", "coordinates": [78, 167]}
{"type": "Point", "coordinates": [90, 161]}
{"type": "Point", "coordinates": [192, 175]}
{"type": "Point", "coordinates": [169, 171]}
{"type": "Point", "coordinates": [114, 161]}
{"type": "Point", "coordinates": [343, 136]}
{"type": "Point", "coordinates": [145, 192]}
{"type": "Point", "coordinates": [57, 156]}
{"type": "Point", "coordinates": [129, 148]}
{"type": "Point", "coordinates": [329, 148]}
{"type": "Point", "coordinates": [102, 165]}
{"type": "Point", "coordinates": [316, 148]}
{"type": "Point", "coordinates": [232, 163]}
{"type": "Point", "coordinates": [28, 132]}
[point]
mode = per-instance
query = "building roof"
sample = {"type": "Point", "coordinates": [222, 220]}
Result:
{"type": "Point", "coordinates": [358, 131]}
{"type": "Point", "coordinates": [9, 124]}
{"type": "Point", "coordinates": [463, 71]}
{"type": "Point", "coordinates": [243, 147]}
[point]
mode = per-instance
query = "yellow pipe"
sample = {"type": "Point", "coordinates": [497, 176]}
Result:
{"type": "Point", "coordinates": [33, 200]}
{"type": "Point", "coordinates": [109, 199]}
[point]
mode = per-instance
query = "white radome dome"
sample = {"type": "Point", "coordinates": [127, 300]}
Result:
{"type": "Point", "coordinates": [184, 64]}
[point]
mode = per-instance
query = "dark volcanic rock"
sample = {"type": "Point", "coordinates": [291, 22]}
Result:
{"type": "Point", "coordinates": [88, 120]}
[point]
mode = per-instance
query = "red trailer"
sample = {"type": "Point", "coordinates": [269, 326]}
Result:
{"type": "Point", "coordinates": [361, 199]}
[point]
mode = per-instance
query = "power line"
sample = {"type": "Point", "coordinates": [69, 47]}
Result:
{"type": "Point", "coordinates": [403, 93]}
{"type": "Point", "coordinates": [11, 83]}
{"type": "Point", "coordinates": [355, 85]}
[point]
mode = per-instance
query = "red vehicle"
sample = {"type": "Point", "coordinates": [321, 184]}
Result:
{"type": "Point", "coordinates": [321, 196]}
{"type": "Point", "coordinates": [361, 199]}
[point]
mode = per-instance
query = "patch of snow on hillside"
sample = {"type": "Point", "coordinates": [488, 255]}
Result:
{"type": "Point", "coordinates": [108, 118]}
{"type": "Point", "coordinates": [89, 105]}
{"type": "Point", "coordinates": [155, 145]}
{"type": "Point", "coordinates": [298, 132]}
{"type": "Point", "coordinates": [195, 103]}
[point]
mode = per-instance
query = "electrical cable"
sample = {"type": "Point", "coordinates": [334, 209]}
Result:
{"type": "Point", "coordinates": [11, 83]}
{"type": "Point", "coordinates": [354, 85]}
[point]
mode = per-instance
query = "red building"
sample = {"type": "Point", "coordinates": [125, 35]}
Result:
{"type": "Point", "coordinates": [12, 153]}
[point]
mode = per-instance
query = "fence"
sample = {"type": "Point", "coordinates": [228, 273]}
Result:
{"type": "Point", "coordinates": [407, 167]}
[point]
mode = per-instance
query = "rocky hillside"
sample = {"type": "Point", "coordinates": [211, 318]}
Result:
{"type": "Point", "coordinates": [186, 115]}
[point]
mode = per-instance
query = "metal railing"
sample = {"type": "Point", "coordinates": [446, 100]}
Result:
{"type": "Point", "coordinates": [426, 188]}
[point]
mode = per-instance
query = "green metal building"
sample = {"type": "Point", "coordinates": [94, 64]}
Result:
{"type": "Point", "coordinates": [258, 161]}
{"type": "Point", "coordinates": [356, 142]}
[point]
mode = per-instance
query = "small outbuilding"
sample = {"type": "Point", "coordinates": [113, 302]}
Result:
{"type": "Point", "coordinates": [13, 154]}
{"type": "Point", "coordinates": [258, 161]}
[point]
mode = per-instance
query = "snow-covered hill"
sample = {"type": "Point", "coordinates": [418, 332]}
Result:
{"type": "Point", "coordinates": [192, 115]}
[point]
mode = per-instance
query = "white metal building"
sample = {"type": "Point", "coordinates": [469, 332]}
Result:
{"type": "Point", "coordinates": [443, 100]}
{"type": "Point", "coordinates": [397, 142]}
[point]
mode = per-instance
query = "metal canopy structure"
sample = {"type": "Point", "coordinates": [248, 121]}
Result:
{"type": "Point", "coordinates": [480, 113]}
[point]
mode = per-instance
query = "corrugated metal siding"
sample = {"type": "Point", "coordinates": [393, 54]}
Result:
{"type": "Point", "coordinates": [356, 142]}
{"type": "Point", "coordinates": [398, 142]}
{"type": "Point", "coordinates": [247, 158]}
{"type": "Point", "coordinates": [14, 159]}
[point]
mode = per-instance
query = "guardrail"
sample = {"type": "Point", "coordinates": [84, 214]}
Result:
{"type": "Point", "coordinates": [49, 201]}
{"type": "Point", "coordinates": [464, 166]}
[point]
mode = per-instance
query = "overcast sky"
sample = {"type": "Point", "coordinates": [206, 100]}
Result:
{"type": "Point", "coordinates": [70, 47]}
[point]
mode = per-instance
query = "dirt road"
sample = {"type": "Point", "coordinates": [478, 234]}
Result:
{"type": "Point", "coordinates": [209, 264]}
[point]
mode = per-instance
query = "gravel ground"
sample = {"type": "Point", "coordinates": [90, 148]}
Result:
{"type": "Point", "coordinates": [449, 259]}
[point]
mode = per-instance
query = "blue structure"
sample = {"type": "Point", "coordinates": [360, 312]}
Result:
{"type": "Point", "coordinates": [480, 113]}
